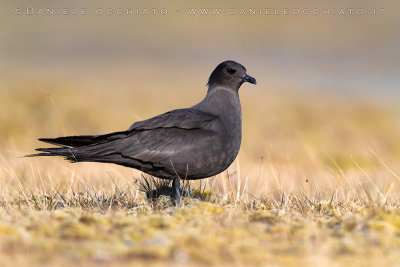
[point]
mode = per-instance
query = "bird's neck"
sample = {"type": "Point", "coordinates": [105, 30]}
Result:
{"type": "Point", "coordinates": [221, 101]}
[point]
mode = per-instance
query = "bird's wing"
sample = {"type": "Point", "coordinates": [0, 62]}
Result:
{"type": "Point", "coordinates": [179, 118]}
{"type": "Point", "coordinates": [158, 138]}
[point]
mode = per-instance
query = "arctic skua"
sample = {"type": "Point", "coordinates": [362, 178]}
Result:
{"type": "Point", "coordinates": [190, 143]}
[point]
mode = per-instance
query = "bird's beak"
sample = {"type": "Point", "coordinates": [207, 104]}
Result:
{"type": "Point", "coordinates": [249, 79]}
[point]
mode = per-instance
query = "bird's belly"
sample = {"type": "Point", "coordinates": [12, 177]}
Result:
{"type": "Point", "coordinates": [203, 161]}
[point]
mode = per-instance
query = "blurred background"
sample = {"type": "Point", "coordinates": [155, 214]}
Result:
{"type": "Point", "coordinates": [326, 101]}
{"type": "Point", "coordinates": [314, 52]}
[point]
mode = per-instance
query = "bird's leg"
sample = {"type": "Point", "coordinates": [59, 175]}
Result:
{"type": "Point", "coordinates": [176, 190]}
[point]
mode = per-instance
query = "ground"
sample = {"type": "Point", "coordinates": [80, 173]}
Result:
{"type": "Point", "coordinates": [203, 233]}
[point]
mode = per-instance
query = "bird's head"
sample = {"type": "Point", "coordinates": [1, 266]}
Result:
{"type": "Point", "coordinates": [229, 74]}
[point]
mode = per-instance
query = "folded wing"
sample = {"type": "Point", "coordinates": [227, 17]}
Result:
{"type": "Point", "coordinates": [152, 140]}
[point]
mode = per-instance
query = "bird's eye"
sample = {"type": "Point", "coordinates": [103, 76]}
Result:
{"type": "Point", "coordinates": [231, 71]}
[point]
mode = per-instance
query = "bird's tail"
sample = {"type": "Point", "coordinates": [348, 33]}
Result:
{"type": "Point", "coordinates": [80, 148]}
{"type": "Point", "coordinates": [73, 141]}
{"type": "Point", "coordinates": [68, 153]}
{"type": "Point", "coordinates": [70, 146]}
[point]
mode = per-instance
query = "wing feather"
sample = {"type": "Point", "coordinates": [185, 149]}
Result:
{"type": "Point", "coordinates": [179, 118]}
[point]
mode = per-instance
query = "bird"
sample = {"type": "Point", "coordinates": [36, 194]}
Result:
{"type": "Point", "coordinates": [183, 144]}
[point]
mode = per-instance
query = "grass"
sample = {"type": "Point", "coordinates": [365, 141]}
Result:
{"type": "Point", "coordinates": [316, 183]}
{"type": "Point", "coordinates": [111, 229]}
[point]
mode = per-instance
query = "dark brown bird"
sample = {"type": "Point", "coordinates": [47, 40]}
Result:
{"type": "Point", "coordinates": [191, 143]}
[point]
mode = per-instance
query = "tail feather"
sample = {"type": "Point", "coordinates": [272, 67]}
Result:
{"type": "Point", "coordinates": [56, 150]}
{"type": "Point", "coordinates": [83, 140]}
{"type": "Point", "coordinates": [69, 146]}
{"type": "Point", "coordinates": [36, 155]}
{"type": "Point", "coordinates": [68, 153]}
{"type": "Point", "coordinates": [71, 141]}
{"type": "Point", "coordinates": [75, 148]}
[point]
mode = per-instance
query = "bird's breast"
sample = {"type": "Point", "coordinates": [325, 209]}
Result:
{"type": "Point", "coordinates": [219, 144]}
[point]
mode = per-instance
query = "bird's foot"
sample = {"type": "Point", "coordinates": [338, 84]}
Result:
{"type": "Point", "coordinates": [176, 192]}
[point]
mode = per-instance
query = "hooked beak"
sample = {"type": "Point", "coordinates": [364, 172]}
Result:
{"type": "Point", "coordinates": [249, 79]}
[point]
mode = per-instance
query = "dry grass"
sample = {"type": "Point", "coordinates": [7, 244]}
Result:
{"type": "Point", "coordinates": [317, 183]}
